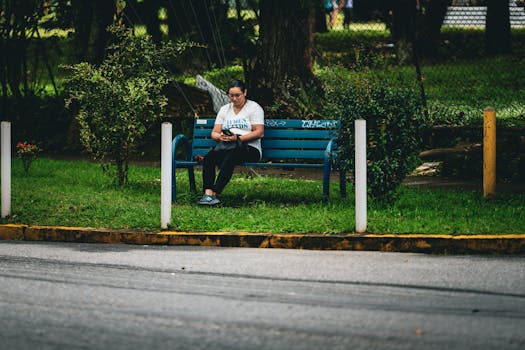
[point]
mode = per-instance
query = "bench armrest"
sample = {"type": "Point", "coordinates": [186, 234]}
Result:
{"type": "Point", "coordinates": [331, 153]}
{"type": "Point", "coordinates": [178, 139]}
{"type": "Point", "coordinates": [331, 147]}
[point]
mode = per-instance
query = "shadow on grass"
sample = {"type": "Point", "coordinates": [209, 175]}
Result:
{"type": "Point", "coordinates": [288, 199]}
{"type": "Point", "coordinates": [250, 192]}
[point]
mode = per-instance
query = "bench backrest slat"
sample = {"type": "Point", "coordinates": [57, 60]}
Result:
{"type": "Point", "coordinates": [292, 154]}
{"type": "Point", "coordinates": [283, 138]}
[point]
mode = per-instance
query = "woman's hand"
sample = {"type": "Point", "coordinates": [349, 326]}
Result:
{"type": "Point", "coordinates": [226, 138]}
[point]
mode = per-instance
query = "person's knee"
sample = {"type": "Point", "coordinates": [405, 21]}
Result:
{"type": "Point", "coordinates": [233, 158]}
{"type": "Point", "coordinates": [210, 158]}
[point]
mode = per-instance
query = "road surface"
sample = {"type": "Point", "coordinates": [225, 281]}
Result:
{"type": "Point", "coordinates": [90, 296]}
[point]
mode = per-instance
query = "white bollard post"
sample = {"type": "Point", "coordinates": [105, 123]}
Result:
{"type": "Point", "coordinates": [165, 184]}
{"type": "Point", "coordinates": [360, 175]}
{"type": "Point", "coordinates": [6, 168]}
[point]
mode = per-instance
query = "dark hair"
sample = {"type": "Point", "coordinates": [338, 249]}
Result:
{"type": "Point", "coordinates": [236, 83]}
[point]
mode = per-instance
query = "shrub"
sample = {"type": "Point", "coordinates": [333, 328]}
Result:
{"type": "Point", "coordinates": [121, 98]}
{"type": "Point", "coordinates": [394, 126]}
{"type": "Point", "coordinates": [41, 119]}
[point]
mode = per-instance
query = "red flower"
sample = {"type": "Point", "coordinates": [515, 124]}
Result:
{"type": "Point", "coordinates": [27, 152]}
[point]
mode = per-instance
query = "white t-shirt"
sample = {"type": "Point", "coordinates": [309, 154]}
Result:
{"type": "Point", "coordinates": [241, 123]}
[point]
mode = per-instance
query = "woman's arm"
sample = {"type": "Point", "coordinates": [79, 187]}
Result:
{"type": "Point", "coordinates": [256, 133]}
{"type": "Point", "coordinates": [217, 134]}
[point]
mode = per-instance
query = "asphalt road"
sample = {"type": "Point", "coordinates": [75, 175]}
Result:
{"type": "Point", "coordinates": [90, 296]}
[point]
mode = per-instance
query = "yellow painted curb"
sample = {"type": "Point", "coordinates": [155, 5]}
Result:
{"type": "Point", "coordinates": [12, 232]}
{"type": "Point", "coordinates": [416, 243]}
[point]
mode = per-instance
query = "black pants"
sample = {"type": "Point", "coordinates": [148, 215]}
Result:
{"type": "Point", "coordinates": [226, 161]}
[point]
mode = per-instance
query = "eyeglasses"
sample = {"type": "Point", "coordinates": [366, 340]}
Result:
{"type": "Point", "coordinates": [235, 95]}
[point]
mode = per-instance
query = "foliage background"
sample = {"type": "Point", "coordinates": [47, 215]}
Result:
{"type": "Point", "coordinates": [460, 80]}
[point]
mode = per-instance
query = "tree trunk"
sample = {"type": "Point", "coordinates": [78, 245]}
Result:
{"type": "Point", "coordinates": [151, 19]}
{"type": "Point", "coordinates": [320, 19]}
{"type": "Point", "coordinates": [103, 12]}
{"type": "Point", "coordinates": [122, 170]}
{"type": "Point", "coordinates": [431, 17]}
{"type": "Point", "coordinates": [497, 32]}
{"type": "Point", "coordinates": [286, 36]}
{"type": "Point", "coordinates": [403, 29]}
{"type": "Point", "coordinates": [81, 22]}
{"type": "Point", "coordinates": [90, 22]}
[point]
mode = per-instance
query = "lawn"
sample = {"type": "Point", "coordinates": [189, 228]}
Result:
{"type": "Point", "coordinates": [76, 193]}
{"type": "Point", "coordinates": [458, 85]}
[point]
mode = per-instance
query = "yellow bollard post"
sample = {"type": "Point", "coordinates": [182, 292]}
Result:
{"type": "Point", "coordinates": [489, 153]}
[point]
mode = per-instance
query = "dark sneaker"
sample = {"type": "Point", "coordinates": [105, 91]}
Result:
{"type": "Point", "coordinates": [208, 200]}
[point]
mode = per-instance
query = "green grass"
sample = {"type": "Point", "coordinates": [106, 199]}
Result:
{"type": "Point", "coordinates": [457, 93]}
{"type": "Point", "coordinates": [76, 193]}
{"type": "Point", "coordinates": [458, 88]}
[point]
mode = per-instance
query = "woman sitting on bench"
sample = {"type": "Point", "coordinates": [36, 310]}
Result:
{"type": "Point", "coordinates": [238, 128]}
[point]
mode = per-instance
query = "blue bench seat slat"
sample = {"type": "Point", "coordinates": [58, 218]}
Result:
{"type": "Point", "coordinates": [202, 143]}
{"type": "Point", "coordinates": [294, 144]}
{"type": "Point", "coordinates": [202, 132]}
{"type": "Point", "coordinates": [292, 154]}
{"type": "Point", "coordinates": [184, 164]}
{"type": "Point", "coordinates": [200, 152]}
{"type": "Point", "coordinates": [271, 143]}
{"type": "Point", "coordinates": [285, 165]}
{"type": "Point", "coordinates": [300, 134]}
{"type": "Point", "coordinates": [275, 154]}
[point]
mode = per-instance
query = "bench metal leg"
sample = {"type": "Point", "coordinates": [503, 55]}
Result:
{"type": "Point", "coordinates": [191, 176]}
{"type": "Point", "coordinates": [342, 182]}
{"type": "Point", "coordinates": [326, 184]}
{"type": "Point", "coordinates": [173, 183]}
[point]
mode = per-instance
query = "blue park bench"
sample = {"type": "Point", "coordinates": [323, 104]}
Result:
{"type": "Point", "coordinates": [287, 143]}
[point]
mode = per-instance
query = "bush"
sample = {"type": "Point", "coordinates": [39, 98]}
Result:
{"type": "Point", "coordinates": [121, 98]}
{"type": "Point", "coordinates": [41, 119]}
{"type": "Point", "coordinates": [355, 49]}
{"type": "Point", "coordinates": [394, 126]}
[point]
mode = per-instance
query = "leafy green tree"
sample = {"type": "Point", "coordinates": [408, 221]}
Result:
{"type": "Point", "coordinates": [117, 101]}
{"type": "Point", "coordinates": [90, 19]}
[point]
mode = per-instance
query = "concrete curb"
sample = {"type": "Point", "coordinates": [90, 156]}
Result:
{"type": "Point", "coordinates": [414, 243]}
